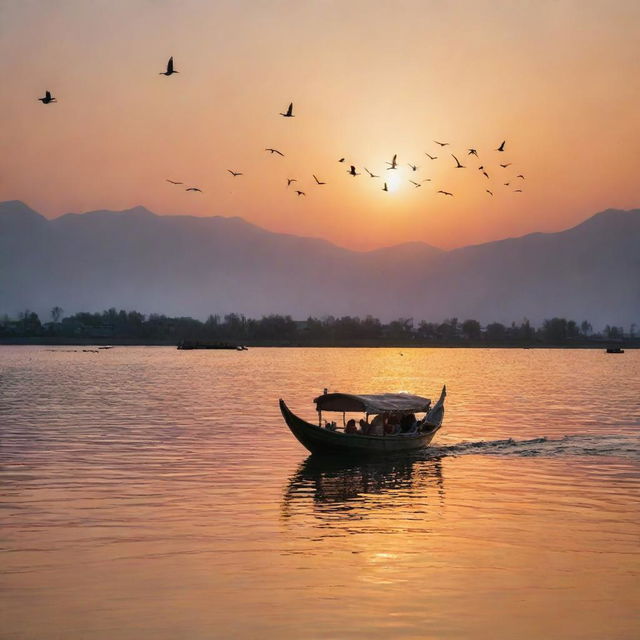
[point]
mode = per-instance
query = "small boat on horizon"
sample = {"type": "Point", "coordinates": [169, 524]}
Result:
{"type": "Point", "coordinates": [393, 429]}
{"type": "Point", "coordinates": [615, 350]}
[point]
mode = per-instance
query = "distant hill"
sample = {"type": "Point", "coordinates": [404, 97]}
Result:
{"type": "Point", "coordinates": [183, 265]}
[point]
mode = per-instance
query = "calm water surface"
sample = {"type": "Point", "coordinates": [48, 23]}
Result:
{"type": "Point", "coordinates": [149, 493]}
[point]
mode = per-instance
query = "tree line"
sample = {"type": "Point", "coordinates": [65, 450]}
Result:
{"type": "Point", "coordinates": [275, 330]}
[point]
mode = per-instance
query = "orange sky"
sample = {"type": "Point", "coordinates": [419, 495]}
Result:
{"type": "Point", "coordinates": [559, 80]}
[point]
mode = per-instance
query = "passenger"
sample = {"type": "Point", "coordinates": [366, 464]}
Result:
{"type": "Point", "coordinates": [393, 424]}
{"type": "Point", "coordinates": [407, 423]}
{"type": "Point", "coordinates": [364, 427]}
{"type": "Point", "coordinates": [376, 428]}
{"type": "Point", "coordinates": [351, 427]}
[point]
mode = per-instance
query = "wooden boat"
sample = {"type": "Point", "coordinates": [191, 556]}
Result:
{"type": "Point", "coordinates": [319, 439]}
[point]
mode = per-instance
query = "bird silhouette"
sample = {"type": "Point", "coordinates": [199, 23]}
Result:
{"type": "Point", "coordinates": [506, 184]}
{"type": "Point", "coordinates": [352, 171]}
{"type": "Point", "coordinates": [235, 173]}
{"type": "Point", "coordinates": [301, 193]}
{"type": "Point", "coordinates": [48, 98]}
{"type": "Point", "coordinates": [289, 112]}
{"type": "Point", "coordinates": [427, 180]}
{"type": "Point", "coordinates": [173, 181]}
{"type": "Point", "coordinates": [413, 167]}
{"type": "Point", "coordinates": [290, 180]}
{"type": "Point", "coordinates": [371, 174]}
{"type": "Point", "coordinates": [318, 181]}
{"type": "Point", "coordinates": [501, 147]}
{"type": "Point", "coordinates": [517, 191]}
{"type": "Point", "coordinates": [446, 193]}
{"type": "Point", "coordinates": [341, 160]}
{"type": "Point", "coordinates": [417, 184]}
{"type": "Point", "coordinates": [430, 156]}
{"type": "Point", "coordinates": [489, 192]}
{"type": "Point", "coordinates": [194, 189]}
{"type": "Point", "coordinates": [272, 151]}
{"type": "Point", "coordinates": [385, 187]}
{"type": "Point", "coordinates": [472, 152]}
{"type": "Point", "coordinates": [504, 166]}
{"type": "Point", "coordinates": [458, 165]}
{"type": "Point", "coordinates": [394, 162]}
{"type": "Point", "coordinates": [520, 176]}
{"type": "Point", "coordinates": [442, 144]}
{"type": "Point", "coordinates": [170, 70]}
{"type": "Point", "coordinates": [485, 174]}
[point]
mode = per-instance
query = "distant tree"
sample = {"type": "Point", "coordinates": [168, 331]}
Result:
{"type": "Point", "coordinates": [585, 328]}
{"type": "Point", "coordinates": [496, 332]}
{"type": "Point", "coordinates": [471, 329]}
{"type": "Point", "coordinates": [555, 331]}
{"type": "Point", "coordinates": [56, 313]}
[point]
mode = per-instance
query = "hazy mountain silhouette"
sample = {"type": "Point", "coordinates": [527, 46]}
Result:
{"type": "Point", "coordinates": [183, 265]}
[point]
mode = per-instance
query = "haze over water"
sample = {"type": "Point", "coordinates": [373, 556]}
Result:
{"type": "Point", "coordinates": [152, 493]}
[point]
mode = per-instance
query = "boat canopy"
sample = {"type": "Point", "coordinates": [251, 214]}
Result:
{"type": "Point", "coordinates": [380, 403]}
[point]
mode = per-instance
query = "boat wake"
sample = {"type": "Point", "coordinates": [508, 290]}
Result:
{"type": "Point", "coordinates": [624, 446]}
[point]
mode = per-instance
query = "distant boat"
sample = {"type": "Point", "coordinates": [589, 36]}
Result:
{"type": "Point", "coordinates": [188, 345]}
{"type": "Point", "coordinates": [330, 440]}
{"type": "Point", "coordinates": [615, 350]}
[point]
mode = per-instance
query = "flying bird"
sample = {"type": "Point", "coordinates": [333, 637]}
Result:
{"type": "Point", "coordinates": [472, 152]}
{"type": "Point", "coordinates": [318, 181]}
{"type": "Point", "coordinates": [371, 174]}
{"type": "Point", "coordinates": [289, 112]}
{"type": "Point", "coordinates": [501, 147]}
{"type": "Point", "coordinates": [413, 167]}
{"type": "Point", "coordinates": [520, 176]}
{"type": "Point", "coordinates": [170, 70]}
{"type": "Point", "coordinates": [430, 157]}
{"type": "Point", "coordinates": [442, 144]}
{"type": "Point", "coordinates": [504, 166]}
{"type": "Point", "coordinates": [385, 187]}
{"type": "Point", "coordinates": [352, 171]}
{"type": "Point", "coordinates": [446, 193]}
{"type": "Point", "coordinates": [517, 191]}
{"type": "Point", "coordinates": [394, 162]}
{"type": "Point", "coordinates": [301, 193]}
{"type": "Point", "coordinates": [194, 189]}
{"type": "Point", "coordinates": [341, 160]}
{"type": "Point", "coordinates": [290, 180]}
{"type": "Point", "coordinates": [458, 165]}
{"type": "Point", "coordinates": [173, 181]}
{"type": "Point", "coordinates": [416, 183]}
{"type": "Point", "coordinates": [506, 184]}
{"type": "Point", "coordinates": [235, 173]}
{"type": "Point", "coordinates": [485, 174]}
{"type": "Point", "coordinates": [47, 98]}
{"type": "Point", "coordinates": [427, 180]}
{"type": "Point", "coordinates": [272, 151]}
{"type": "Point", "coordinates": [489, 192]}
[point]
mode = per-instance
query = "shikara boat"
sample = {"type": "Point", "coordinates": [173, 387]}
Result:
{"type": "Point", "coordinates": [323, 440]}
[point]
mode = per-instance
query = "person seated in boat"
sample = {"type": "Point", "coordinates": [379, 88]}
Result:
{"type": "Point", "coordinates": [330, 426]}
{"type": "Point", "coordinates": [376, 428]}
{"type": "Point", "coordinates": [407, 423]}
{"type": "Point", "coordinates": [364, 427]}
{"type": "Point", "coordinates": [350, 427]}
{"type": "Point", "coordinates": [392, 425]}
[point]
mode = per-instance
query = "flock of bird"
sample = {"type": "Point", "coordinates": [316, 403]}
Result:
{"type": "Point", "coordinates": [352, 171]}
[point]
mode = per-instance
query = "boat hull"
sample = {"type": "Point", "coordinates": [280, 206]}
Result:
{"type": "Point", "coordinates": [323, 441]}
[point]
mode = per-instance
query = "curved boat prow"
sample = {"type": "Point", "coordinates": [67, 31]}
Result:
{"type": "Point", "coordinates": [436, 414]}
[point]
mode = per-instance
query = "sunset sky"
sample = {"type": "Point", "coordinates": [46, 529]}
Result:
{"type": "Point", "coordinates": [560, 81]}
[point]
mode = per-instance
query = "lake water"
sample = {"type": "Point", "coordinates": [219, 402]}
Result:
{"type": "Point", "coordinates": [150, 493]}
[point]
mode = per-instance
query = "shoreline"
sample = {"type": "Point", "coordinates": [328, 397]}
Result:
{"type": "Point", "coordinates": [135, 342]}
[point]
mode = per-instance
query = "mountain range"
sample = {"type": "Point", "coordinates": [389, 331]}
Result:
{"type": "Point", "coordinates": [194, 266]}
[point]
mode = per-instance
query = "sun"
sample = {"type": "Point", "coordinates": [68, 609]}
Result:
{"type": "Point", "coordinates": [395, 179]}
